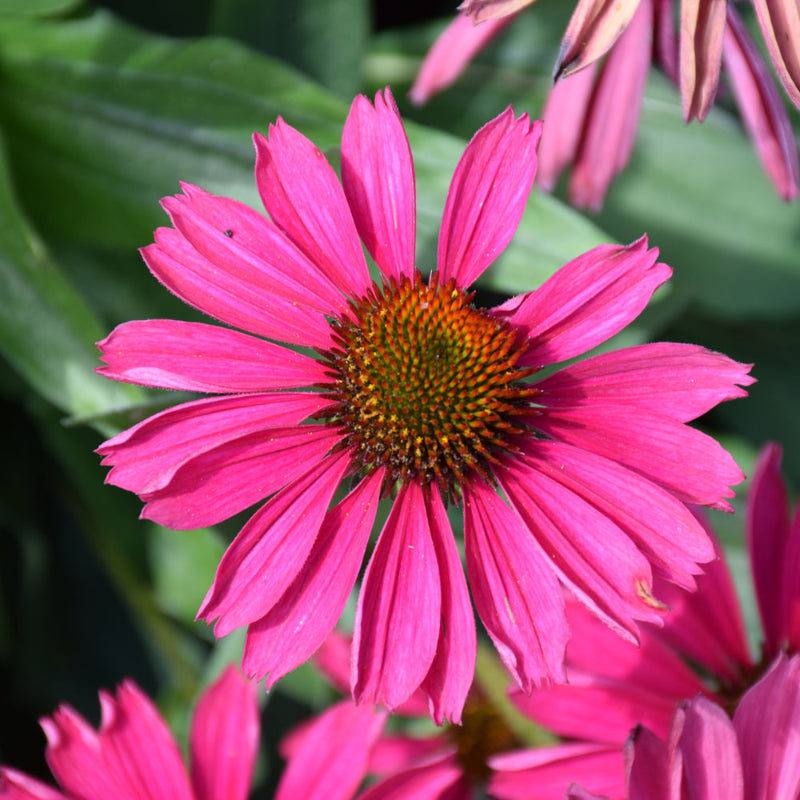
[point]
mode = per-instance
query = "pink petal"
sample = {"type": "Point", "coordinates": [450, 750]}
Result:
{"type": "Point", "coordinates": [271, 548]}
{"type": "Point", "coordinates": [593, 28]}
{"type": "Point", "coordinates": [146, 456]}
{"type": "Point", "coordinates": [681, 381]}
{"type": "Point", "coordinates": [653, 773]}
{"type": "Point", "coordinates": [547, 772]}
{"type": "Point", "coordinates": [660, 526]}
{"type": "Point", "coordinates": [202, 358]}
{"type": "Point", "coordinates": [453, 667]}
{"type": "Point", "coordinates": [232, 295]}
{"type": "Point", "coordinates": [791, 587]}
{"type": "Point", "coordinates": [234, 475]}
{"type": "Point", "coordinates": [224, 738]}
{"type": "Point", "coordinates": [684, 461]}
{"type": "Point", "coordinates": [398, 613]}
{"type": "Point", "coordinates": [487, 196]}
{"type": "Point", "coordinates": [588, 551]}
{"type": "Point", "coordinates": [298, 623]}
{"type": "Point", "coordinates": [712, 768]}
{"type": "Point", "coordinates": [516, 592]}
{"type": "Point", "coordinates": [665, 40]}
{"type": "Point", "coordinates": [563, 117]}
{"type": "Point", "coordinates": [455, 47]}
{"type": "Point", "coordinates": [762, 108]}
{"type": "Point", "coordinates": [441, 779]}
{"type": "Point", "coordinates": [702, 30]}
{"type": "Point", "coordinates": [768, 530]}
{"type": "Point", "coordinates": [16, 785]}
{"type": "Point", "coordinates": [766, 723]}
{"type": "Point", "coordinates": [392, 754]}
{"type": "Point", "coordinates": [378, 179]}
{"type": "Point", "coordinates": [331, 760]}
{"type": "Point", "coordinates": [248, 246]}
{"type": "Point", "coordinates": [586, 302]}
{"type": "Point", "coordinates": [706, 626]}
{"type": "Point", "coordinates": [133, 756]}
{"type": "Point", "coordinates": [303, 196]}
{"type": "Point", "coordinates": [780, 25]}
{"type": "Point", "coordinates": [609, 129]}
{"type": "Point", "coordinates": [483, 10]}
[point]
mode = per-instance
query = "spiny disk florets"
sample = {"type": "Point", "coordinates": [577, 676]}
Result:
{"type": "Point", "coordinates": [426, 385]}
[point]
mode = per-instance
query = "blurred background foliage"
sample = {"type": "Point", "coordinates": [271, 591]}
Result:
{"type": "Point", "coordinates": [104, 108]}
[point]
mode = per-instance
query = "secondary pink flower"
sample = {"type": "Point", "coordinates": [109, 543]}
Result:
{"type": "Point", "coordinates": [134, 756]}
{"type": "Point", "coordinates": [591, 114]}
{"type": "Point", "coordinates": [406, 390]}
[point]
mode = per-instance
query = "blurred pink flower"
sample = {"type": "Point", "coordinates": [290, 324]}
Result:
{"type": "Point", "coordinates": [417, 394]}
{"type": "Point", "coordinates": [134, 756]}
{"type": "Point", "coordinates": [591, 115]}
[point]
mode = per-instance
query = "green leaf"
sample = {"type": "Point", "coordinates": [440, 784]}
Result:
{"type": "Point", "coordinates": [323, 38]}
{"type": "Point", "coordinates": [46, 330]}
{"type": "Point", "coordinates": [36, 8]}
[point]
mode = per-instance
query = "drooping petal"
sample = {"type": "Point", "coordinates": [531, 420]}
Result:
{"type": "Point", "coordinates": [331, 759]}
{"type": "Point", "coordinates": [609, 129]}
{"type": "Point", "coordinates": [767, 723]}
{"type": "Point", "coordinates": [133, 756]}
{"type": "Point", "coordinates": [711, 765]}
{"type": "Point", "coordinates": [547, 772]}
{"type": "Point", "coordinates": [563, 118]}
{"type": "Point", "coordinates": [442, 778]}
{"type": "Point", "coordinates": [202, 358]}
{"type": "Point", "coordinates": [684, 461]}
{"type": "Point", "coordinates": [456, 46]}
{"type": "Point", "coordinates": [586, 302]}
{"type": "Point", "coordinates": [767, 535]}
{"type": "Point", "coordinates": [235, 475]}
{"type": "Point", "coordinates": [593, 28]}
{"type": "Point", "coordinates": [665, 39]}
{"type": "Point", "coordinates": [307, 611]}
{"type": "Point", "coordinates": [453, 667]}
{"type": "Point", "coordinates": [231, 294]}
{"type": "Point", "coordinates": [589, 552]}
{"type": "Point", "coordinates": [224, 738]}
{"type": "Point", "coordinates": [250, 249]}
{"type": "Point", "coordinates": [681, 381]}
{"type": "Point", "coordinates": [303, 196]}
{"type": "Point", "coordinates": [761, 107]}
{"type": "Point", "coordinates": [702, 30]}
{"type": "Point", "coordinates": [706, 626]}
{"type": "Point", "coordinates": [484, 10]}
{"type": "Point", "coordinates": [145, 457]}
{"type": "Point", "coordinates": [15, 785]}
{"type": "Point", "coordinates": [791, 587]}
{"type": "Point", "coordinates": [780, 24]}
{"type": "Point", "coordinates": [516, 592]}
{"type": "Point", "coordinates": [487, 196]}
{"type": "Point", "coordinates": [271, 548]}
{"type": "Point", "coordinates": [378, 179]}
{"type": "Point", "coordinates": [399, 607]}
{"type": "Point", "coordinates": [653, 769]}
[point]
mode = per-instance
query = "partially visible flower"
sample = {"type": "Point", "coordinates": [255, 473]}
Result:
{"type": "Point", "coordinates": [706, 754]}
{"type": "Point", "coordinates": [134, 756]}
{"type": "Point", "coordinates": [409, 391]}
{"type": "Point", "coordinates": [591, 114]}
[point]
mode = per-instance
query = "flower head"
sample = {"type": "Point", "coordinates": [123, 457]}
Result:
{"type": "Point", "coordinates": [133, 755]}
{"type": "Point", "coordinates": [406, 390]}
{"type": "Point", "coordinates": [592, 112]}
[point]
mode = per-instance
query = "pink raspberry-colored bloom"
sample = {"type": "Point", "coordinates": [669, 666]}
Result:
{"type": "Point", "coordinates": [592, 112]}
{"type": "Point", "coordinates": [134, 756]}
{"type": "Point", "coordinates": [404, 389]}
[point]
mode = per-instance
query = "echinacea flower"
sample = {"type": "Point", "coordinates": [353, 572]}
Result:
{"type": "Point", "coordinates": [592, 112]}
{"type": "Point", "coordinates": [134, 755]}
{"type": "Point", "coordinates": [706, 754]}
{"type": "Point", "coordinates": [404, 389]}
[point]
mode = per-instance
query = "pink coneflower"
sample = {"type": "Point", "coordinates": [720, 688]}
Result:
{"type": "Point", "coordinates": [134, 756]}
{"type": "Point", "coordinates": [406, 390]}
{"type": "Point", "coordinates": [592, 112]}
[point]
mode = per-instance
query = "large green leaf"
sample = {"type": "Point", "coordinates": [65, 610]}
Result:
{"type": "Point", "coordinates": [46, 330]}
{"type": "Point", "coordinates": [698, 190]}
{"type": "Point", "coordinates": [102, 121]}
